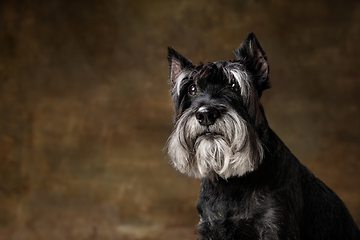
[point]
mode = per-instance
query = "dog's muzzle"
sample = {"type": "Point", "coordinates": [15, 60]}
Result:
{"type": "Point", "coordinates": [213, 139]}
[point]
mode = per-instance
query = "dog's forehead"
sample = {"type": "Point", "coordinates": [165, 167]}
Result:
{"type": "Point", "coordinates": [216, 72]}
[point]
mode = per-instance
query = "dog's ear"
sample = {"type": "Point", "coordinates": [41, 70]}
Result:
{"type": "Point", "coordinates": [176, 64]}
{"type": "Point", "coordinates": [253, 56]}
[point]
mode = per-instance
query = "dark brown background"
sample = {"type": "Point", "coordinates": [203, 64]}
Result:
{"type": "Point", "coordinates": [85, 110]}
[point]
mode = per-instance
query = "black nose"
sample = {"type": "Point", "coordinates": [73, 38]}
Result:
{"type": "Point", "coordinates": [207, 116]}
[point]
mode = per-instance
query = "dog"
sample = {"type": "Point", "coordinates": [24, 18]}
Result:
{"type": "Point", "coordinates": [252, 186]}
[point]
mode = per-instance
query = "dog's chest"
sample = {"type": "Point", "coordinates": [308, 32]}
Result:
{"type": "Point", "coordinates": [248, 213]}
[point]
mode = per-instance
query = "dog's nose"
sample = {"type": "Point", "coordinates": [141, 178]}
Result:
{"type": "Point", "coordinates": [207, 116]}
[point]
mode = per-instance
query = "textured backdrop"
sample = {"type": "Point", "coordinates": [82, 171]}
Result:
{"type": "Point", "coordinates": [85, 109]}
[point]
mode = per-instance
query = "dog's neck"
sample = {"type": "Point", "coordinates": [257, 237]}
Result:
{"type": "Point", "coordinates": [274, 148]}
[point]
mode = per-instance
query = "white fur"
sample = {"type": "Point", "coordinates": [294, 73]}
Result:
{"type": "Point", "coordinates": [242, 79]}
{"type": "Point", "coordinates": [227, 152]}
{"type": "Point", "coordinates": [178, 81]}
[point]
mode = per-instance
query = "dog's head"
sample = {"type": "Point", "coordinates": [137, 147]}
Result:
{"type": "Point", "coordinates": [218, 112]}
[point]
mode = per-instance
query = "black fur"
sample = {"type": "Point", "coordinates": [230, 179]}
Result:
{"type": "Point", "coordinates": [279, 198]}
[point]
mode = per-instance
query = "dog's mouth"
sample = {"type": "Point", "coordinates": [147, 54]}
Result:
{"type": "Point", "coordinates": [210, 135]}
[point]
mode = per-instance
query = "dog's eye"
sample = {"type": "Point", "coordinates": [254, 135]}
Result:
{"type": "Point", "coordinates": [235, 86]}
{"type": "Point", "coordinates": [192, 90]}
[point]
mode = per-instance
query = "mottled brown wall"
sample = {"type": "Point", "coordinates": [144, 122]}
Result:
{"type": "Point", "coordinates": [85, 111]}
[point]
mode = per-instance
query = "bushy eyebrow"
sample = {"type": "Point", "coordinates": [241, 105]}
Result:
{"type": "Point", "coordinates": [242, 78]}
{"type": "Point", "coordinates": [180, 79]}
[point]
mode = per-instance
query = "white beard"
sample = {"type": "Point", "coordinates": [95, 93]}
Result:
{"type": "Point", "coordinates": [224, 147]}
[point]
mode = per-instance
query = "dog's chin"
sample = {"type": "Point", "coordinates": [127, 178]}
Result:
{"type": "Point", "coordinates": [212, 154]}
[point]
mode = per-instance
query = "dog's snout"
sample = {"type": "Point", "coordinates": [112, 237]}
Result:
{"type": "Point", "coordinates": [207, 116]}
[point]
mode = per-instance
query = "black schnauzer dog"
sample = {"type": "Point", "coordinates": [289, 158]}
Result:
{"type": "Point", "coordinates": [252, 186]}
